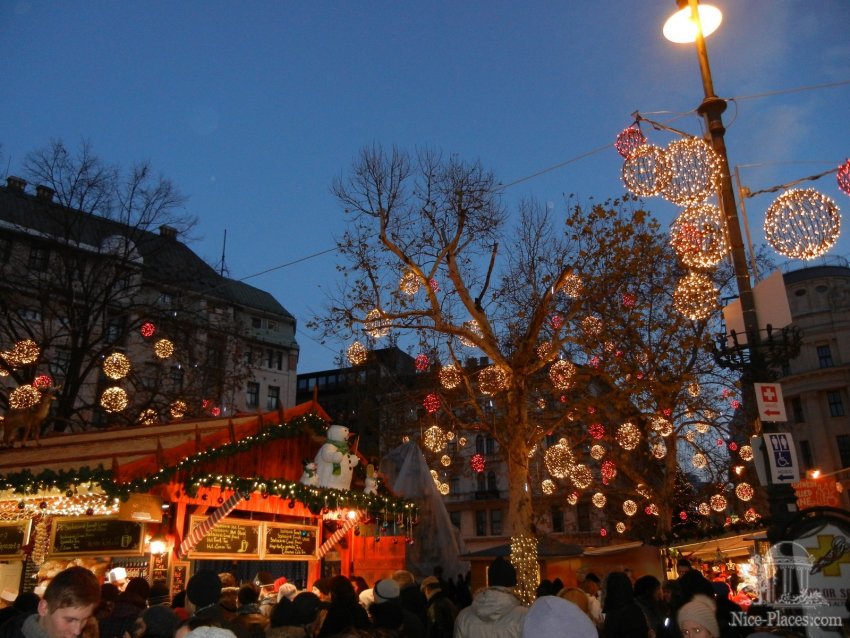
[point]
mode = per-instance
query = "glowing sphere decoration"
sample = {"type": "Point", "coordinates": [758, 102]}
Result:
{"type": "Point", "coordinates": [646, 172]}
{"type": "Point", "coordinates": [147, 330]}
{"type": "Point", "coordinates": [694, 389]}
{"type": "Point", "coordinates": [628, 436]}
{"type": "Point", "coordinates": [704, 509]}
{"type": "Point", "coordinates": [651, 510]}
{"type": "Point", "coordinates": [695, 297]}
{"type": "Point", "coordinates": [42, 381]}
{"type": "Point", "coordinates": [450, 376]}
{"type": "Point", "coordinates": [422, 362]}
{"type": "Point", "coordinates": [561, 374]}
{"type": "Point", "coordinates": [698, 235]}
{"type": "Point", "coordinates": [474, 329]}
{"type": "Point", "coordinates": [434, 285]}
{"type": "Point", "coordinates": [802, 224]}
{"type": "Point", "coordinates": [629, 507]}
{"type": "Point", "coordinates": [603, 532]}
{"type": "Point", "coordinates": [581, 476]}
{"type": "Point", "coordinates": [492, 380]}
{"type": "Point", "coordinates": [751, 515]}
{"type": "Point", "coordinates": [114, 399]}
{"type": "Point", "coordinates": [702, 426]}
{"type": "Point", "coordinates": [718, 502]}
{"type": "Point", "coordinates": [596, 431]}
{"type": "Point", "coordinates": [744, 491]}
{"type": "Point", "coordinates": [434, 438]}
{"type": "Point", "coordinates": [548, 487]}
{"type": "Point", "coordinates": [629, 140]}
{"type": "Point", "coordinates": [699, 461]}
{"type": "Point", "coordinates": [116, 366]}
{"type": "Point", "coordinates": [843, 177]}
{"type": "Point", "coordinates": [592, 325]}
{"type": "Point", "coordinates": [545, 350]}
{"type": "Point", "coordinates": [572, 285]}
{"type": "Point", "coordinates": [376, 325]}
{"type": "Point", "coordinates": [24, 397]}
{"type": "Point", "coordinates": [23, 353]}
{"type": "Point", "coordinates": [620, 527]}
{"type": "Point", "coordinates": [477, 463]}
{"type": "Point", "coordinates": [147, 417]}
{"type": "Point", "coordinates": [559, 459]}
{"type": "Point", "coordinates": [462, 441]}
{"type": "Point", "coordinates": [599, 500]}
{"type": "Point", "coordinates": [163, 348]}
{"type": "Point", "coordinates": [431, 403]}
{"type": "Point", "coordinates": [659, 450]}
{"type": "Point", "coordinates": [178, 409]}
{"type": "Point", "coordinates": [572, 498]}
{"type": "Point", "coordinates": [643, 490]}
{"type": "Point", "coordinates": [356, 354]}
{"type": "Point", "coordinates": [661, 425]}
{"type": "Point", "coordinates": [409, 283]}
{"type": "Point", "coordinates": [597, 452]}
{"type": "Point", "coordinates": [608, 470]}
{"type": "Point", "coordinates": [694, 171]}
{"type": "Point", "coordinates": [445, 460]}
{"type": "Point", "coordinates": [444, 489]}
{"type": "Point", "coordinates": [746, 453]}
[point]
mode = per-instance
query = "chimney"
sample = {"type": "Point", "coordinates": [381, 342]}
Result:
{"type": "Point", "coordinates": [44, 193]}
{"type": "Point", "coordinates": [16, 184]}
{"type": "Point", "coordinates": [169, 232]}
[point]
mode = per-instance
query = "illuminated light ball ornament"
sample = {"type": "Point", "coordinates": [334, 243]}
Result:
{"type": "Point", "coordinates": [702, 426]}
{"type": "Point", "coordinates": [698, 235]}
{"type": "Point", "coordinates": [646, 172]}
{"type": "Point", "coordinates": [42, 381]}
{"type": "Point", "coordinates": [434, 285]}
{"type": "Point", "coordinates": [409, 283]}
{"type": "Point", "coordinates": [116, 366]}
{"type": "Point", "coordinates": [802, 224]}
{"type": "Point", "coordinates": [751, 515]}
{"type": "Point", "coordinates": [592, 325]}
{"type": "Point", "coordinates": [445, 460]}
{"type": "Point", "coordinates": [746, 453]}
{"type": "Point", "coordinates": [561, 374]}
{"type": "Point", "coordinates": [114, 399]}
{"type": "Point", "coordinates": [704, 509]}
{"type": "Point", "coordinates": [661, 425]}
{"type": "Point", "coordinates": [559, 459]}
{"type": "Point", "coordinates": [718, 502]}
{"type": "Point", "coordinates": [683, 515]}
{"type": "Point", "coordinates": [444, 489]}
{"type": "Point", "coordinates": [699, 461]}
{"type": "Point", "coordinates": [450, 376]}
{"type": "Point", "coordinates": [434, 438]}
{"type": "Point", "coordinates": [572, 285]}
{"type": "Point", "coordinates": [694, 171]}
{"type": "Point", "coordinates": [842, 177]}
{"type": "Point", "coordinates": [629, 507]}
{"type": "Point", "coordinates": [651, 510]}
{"type": "Point", "coordinates": [629, 140]}
{"type": "Point", "coordinates": [3, 371]}
{"type": "Point", "coordinates": [462, 441]}
{"type": "Point", "coordinates": [572, 498]}
{"type": "Point", "coordinates": [356, 354]}
{"type": "Point", "coordinates": [643, 490]}
{"type": "Point", "coordinates": [450, 435]}
{"type": "Point", "coordinates": [147, 416]}
{"type": "Point", "coordinates": [541, 403]}
{"type": "Point", "coordinates": [659, 450]}
{"type": "Point", "coordinates": [620, 527]}
{"type": "Point", "coordinates": [422, 362]}
{"type": "Point", "coordinates": [603, 532]}
{"type": "Point", "coordinates": [608, 470]}
{"type": "Point", "coordinates": [163, 348]}
{"type": "Point", "coordinates": [474, 329]}
{"type": "Point", "coordinates": [599, 500]}
{"type": "Point", "coordinates": [744, 491]}
{"type": "Point", "coordinates": [477, 463]}
{"type": "Point", "coordinates": [694, 389]}
{"type": "Point", "coordinates": [24, 352]}
{"type": "Point", "coordinates": [492, 380]}
{"type": "Point", "coordinates": [548, 487]}
{"type": "Point", "coordinates": [581, 476]}
{"type": "Point", "coordinates": [556, 321]}
{"type": "Point", "coordinates": [546, 350]}
{"type": "Point", "coordinates": [147, 329]}
{"type": "Point", "coordinates": [695, 297]}
{"type": "Point", "coordinates": [597, 452]}
{"type": "Point", "coordinates": [596, 431]}
{"type": "Point", "coordinates": [628, 300]}
{"type": "Point", "coordinates": [628, 436]}
{"type": "Point", "coordinates": [431, 403]}
{"type": "Point", "coordinates": [178, 409]}
{"type": "Point", "coordinates": [24, 397]}
{"type": "Point", "coordinates": [376, 325]}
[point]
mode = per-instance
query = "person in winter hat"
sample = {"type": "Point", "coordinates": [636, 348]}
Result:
{"type": "Point", "coordinates": [698, 618]}
{"type": "Point", "coordinates": [158, 621]}
{"type": "Point", "coordinates": [495, 611]}
{"type": "Point", "coordinates": [555, 617]}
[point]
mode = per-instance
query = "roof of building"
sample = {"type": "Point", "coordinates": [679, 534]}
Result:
{"type": "Point", "coordinates": [814, 272]}
{"type": "Point", "coordinates": [165, 260]}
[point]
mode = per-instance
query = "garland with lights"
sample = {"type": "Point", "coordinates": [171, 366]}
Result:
{"type": "Point", "coordinates": [316, 499]}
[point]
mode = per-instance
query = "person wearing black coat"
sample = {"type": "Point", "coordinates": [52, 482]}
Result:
{"type": "Point", "coordinates": [623, 616]}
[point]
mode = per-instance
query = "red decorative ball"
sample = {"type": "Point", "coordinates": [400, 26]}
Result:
{"type": "Point", "coordinates": [422, 363]}
{"type": "Point", "coordinates": [843, 177]}
{"type": "Point", "coordinates": [431, 403]}
{"type": "Point", "coordinates": [596, 430]}
{"type": "Point", "coordinates": [477, 463]}
{"type": "Point", "coordinates": [42, 381]}
{"type": "Point", "coordinates": [628, 140]}
{"type": "Point", "coordinates": [733, 446]}
{"type": "Point", "coordinates": [629, 300]}
{"type": "Point", "coordinates": [603, 532]}
{"type": "Point", "coordinates": [147, 329]}
{"type": "Point", "coordinates": [683, 515]}
{"type": "Point", "coordinates": [557, 321]}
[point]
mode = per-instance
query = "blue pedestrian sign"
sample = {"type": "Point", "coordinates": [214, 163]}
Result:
{"type": "Point", "coordinates": [782, 457]}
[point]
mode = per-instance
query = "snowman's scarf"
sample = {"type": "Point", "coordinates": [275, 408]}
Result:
{"type": "Point", "coordinates": [342, 446]}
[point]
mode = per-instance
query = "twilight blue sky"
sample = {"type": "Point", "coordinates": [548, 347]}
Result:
{"type": "Point", "coordinates": [253, 107]}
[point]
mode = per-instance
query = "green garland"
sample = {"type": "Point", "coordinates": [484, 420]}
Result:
{"type": "Point", "coordinates": [316, 499]}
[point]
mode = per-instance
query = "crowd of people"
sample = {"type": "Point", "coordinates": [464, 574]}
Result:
{"type": "Point", "coordinates": [214, 605]}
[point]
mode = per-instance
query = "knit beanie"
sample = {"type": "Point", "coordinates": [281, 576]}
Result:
{"type": "Point", "coordinates": [501, 573]}
{"type": "Point", "coordinates": [701, 611]}
{"type": "Point", "coordinates": [203, 588]}
{"type": "Point", "coordinates": [554, 617]}
{"type": "Point", "coordinates": [386, 589]}
{"type": "Point", "coordinates": [160, 621]}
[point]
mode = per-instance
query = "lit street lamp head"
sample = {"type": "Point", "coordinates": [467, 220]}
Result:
{"type": "Point", "coordinates": [682, 28]}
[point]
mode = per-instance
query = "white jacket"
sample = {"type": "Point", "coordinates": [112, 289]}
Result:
{"type": "Point", "coordinates": [494, 613]}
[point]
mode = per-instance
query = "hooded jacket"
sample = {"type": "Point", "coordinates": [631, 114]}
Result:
{"type": "Point", "coordinates": [494, 613]}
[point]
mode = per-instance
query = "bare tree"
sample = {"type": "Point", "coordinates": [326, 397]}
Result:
{"type": "Point", "coordinates": [577, 322]}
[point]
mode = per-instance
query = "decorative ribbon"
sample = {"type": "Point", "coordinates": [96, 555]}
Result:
{"type": "Point", "coordinates": [202, 529]}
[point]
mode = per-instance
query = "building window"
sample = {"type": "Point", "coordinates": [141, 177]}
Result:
{"type": "Point", "coordinates": [844, 449]}
{"type": "Point", "coordinates": [39, 259]}
{"type": "Point", "coordinates": [252, 395]}
{"type": "Point", "coordinates": [279, 360]}
{"type": "Point", "coordinates": [836, 405]}
{"type": "Point", "coordinates": [256, 322]}
{"type": "Point", "coordinates": [824, 357]}
{"type": "Point", "coordinates": [481, 522]}
{"type": "Point", "coordinates": [29, 314]}
{"type": "Point", "coordinates": [583, 517]}
{"type": "Point", "coordinates": [491, 446]}
{"type": "Point", "coordinates": [454, 517]}
{"type": "Point", "coordinates": [273, 400]}
{"type": "Point", "coordinates": [797, 410]}
{"type": "Point", "coordinates": [491, 482]}
{"type": "Point", "coordinates": [479, 444]}
{"type": "Point", "coordinates": [272, 325]}
{"type": "Point", "coordinates": [249, 356]}
{"type": "Point", "coordinates": [165, 300]}
{"type": "Point", "coordinates": [495, 522]}
{"type": "Point", "coordinates": [114, 330]}
{"type": "Point", "coordinates": [557, 519]}
{"type": "Point", "coordinates": [806, 454]}
{"type": "Point", "coordinates": [481, 482]}
{"type": "Point", "coordinates": [455, 485]}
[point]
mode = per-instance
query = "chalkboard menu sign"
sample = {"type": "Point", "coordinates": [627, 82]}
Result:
{"type": "Point", "coordinates": [13, 537]}
{"type": "Point", "coordinates": [77, 536]}
{"type": "Point", "coordinates": [179, 576]}
{"type": "Point", "coordinates": [290, 542]}
{"type": "Point", "coordinates": [227, 538]}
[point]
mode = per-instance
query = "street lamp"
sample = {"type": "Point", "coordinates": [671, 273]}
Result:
{"type": "Point", "coordinates": [691, 24]}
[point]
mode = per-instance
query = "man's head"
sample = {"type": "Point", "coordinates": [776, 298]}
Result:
{"type": "Point", "coordinates": [68, 603]}
{"type": "Point", "coordinates": [591, 584]}
{"type": "Point", "coordinates": [264, 582]}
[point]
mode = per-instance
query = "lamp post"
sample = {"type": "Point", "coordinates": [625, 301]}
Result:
{"type": "Point", "coordinates": [687, 26]}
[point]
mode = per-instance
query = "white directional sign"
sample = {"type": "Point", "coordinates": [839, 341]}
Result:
{"type": "Point", "coordinates": [782, 456]}
{"type": "Point", "coordinates": [770, 403]}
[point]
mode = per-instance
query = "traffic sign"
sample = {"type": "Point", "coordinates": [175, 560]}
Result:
{"type": "Point", "coordinates": [769, 400]}
{"type": "Point", "coordinates": [782, 456]}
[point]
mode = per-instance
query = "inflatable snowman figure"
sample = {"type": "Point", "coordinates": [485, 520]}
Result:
{"type": "Point", "coordinates": [309, 477]}
{"type": "Point", "coordinates": [334, 463]}
{"type": "Point", "coordinates": [371, 483]}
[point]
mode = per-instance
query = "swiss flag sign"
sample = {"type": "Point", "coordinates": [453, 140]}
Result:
{"type": "Point", "coordinates": [770, 403]}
